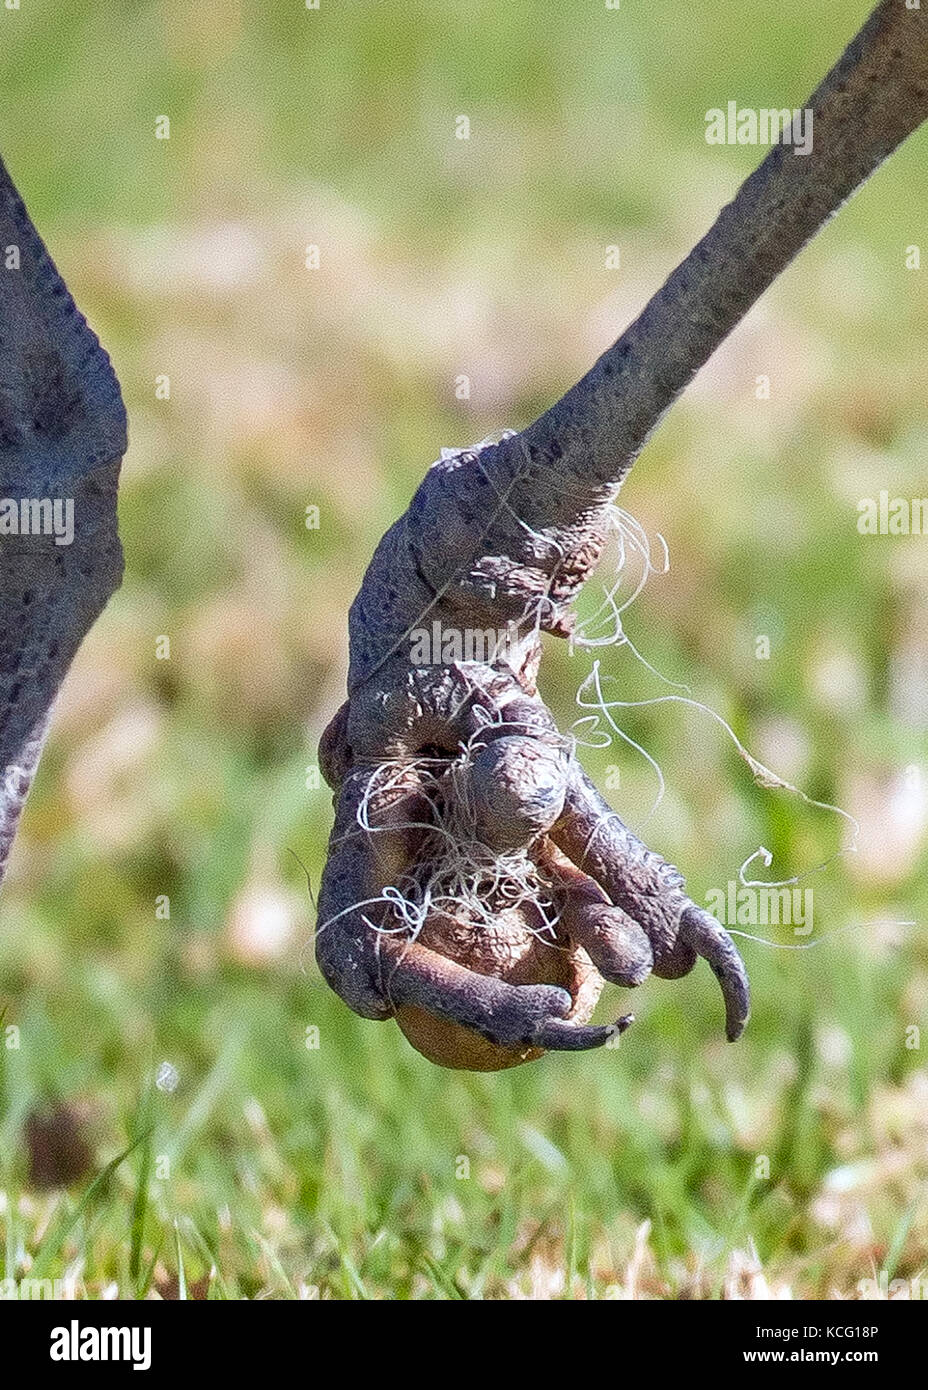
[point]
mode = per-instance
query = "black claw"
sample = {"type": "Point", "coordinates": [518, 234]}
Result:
{"type": "Point", "coordinates": [557, 1035]}
{"type": "Point", "coordinates": [711, 941]}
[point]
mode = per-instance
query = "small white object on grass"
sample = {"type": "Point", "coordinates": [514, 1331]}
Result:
{"type": "Point", "coordinates": [167, 1077]}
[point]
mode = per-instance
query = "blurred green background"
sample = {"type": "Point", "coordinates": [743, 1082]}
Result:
{"type": "Point", "coordinates": [355, 1169]}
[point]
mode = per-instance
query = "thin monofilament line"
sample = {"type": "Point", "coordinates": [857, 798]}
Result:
{"type": "Point", "coordinates": [458, 875]}
{"type": "Point", "coordinates": [625, 525]}
{"type": "Point", "coordinates": [819, 940]}
{"type": "Point", "coordinates": [763, 776]}
{"type": "Point", "coordinates": [631, 538]}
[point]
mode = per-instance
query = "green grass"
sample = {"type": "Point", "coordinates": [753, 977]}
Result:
{"type": "Point", "coordinates": [675, 1165]}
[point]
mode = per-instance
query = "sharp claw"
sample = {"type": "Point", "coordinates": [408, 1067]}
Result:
{"type": "Point", "coordinates": [711, 941]}
{"type": "Point", "coordinates": [557, 1035]}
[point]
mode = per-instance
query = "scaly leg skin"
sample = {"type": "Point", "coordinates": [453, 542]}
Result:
{"type": "Point", "coordinates": [485, 995]}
